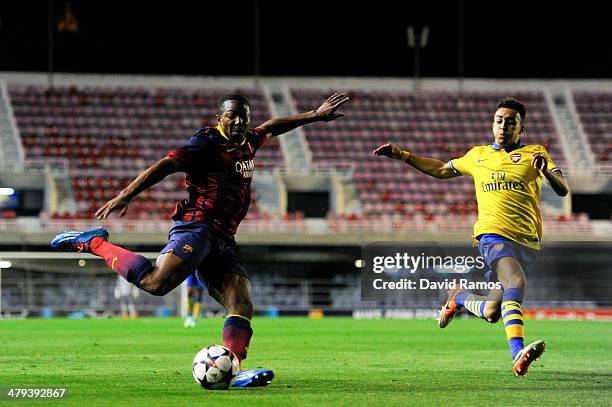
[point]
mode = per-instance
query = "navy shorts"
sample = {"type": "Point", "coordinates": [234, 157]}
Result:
{"type": "Point", "coordinates": [493, 247]}
{"type": "Point", "coordinates": [205, 252]}
{"type": "Point", "coordinates": [193, 282]}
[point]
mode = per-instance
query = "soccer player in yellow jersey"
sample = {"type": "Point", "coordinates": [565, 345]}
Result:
{"type": "Point", "coordinates": [195, 291]}
{"type": "Point", "coordinates": [508, 178]}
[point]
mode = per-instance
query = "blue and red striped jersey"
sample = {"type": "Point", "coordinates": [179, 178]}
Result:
{"type": "Point", "coordinates": [218, 178]}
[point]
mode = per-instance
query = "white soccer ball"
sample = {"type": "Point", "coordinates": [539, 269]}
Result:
{"type": "Point", "coordinates": [215, 367]}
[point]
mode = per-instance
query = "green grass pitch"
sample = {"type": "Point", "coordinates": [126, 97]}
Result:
{"type": "Point", "coordinates": [328, 362]}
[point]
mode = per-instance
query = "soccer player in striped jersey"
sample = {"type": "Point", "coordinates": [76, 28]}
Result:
{"type": "Point", "coordinates": [508, 178]}
{"type": "Point", "coordinates": [219, 163]}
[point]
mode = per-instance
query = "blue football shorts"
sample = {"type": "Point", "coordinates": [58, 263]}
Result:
{"type": "Point", "coordinates": [193, 282]}
{"type": "Point", "coordinates": [493, 247]}
{"type": "Point", "coordinates": [205, 252]}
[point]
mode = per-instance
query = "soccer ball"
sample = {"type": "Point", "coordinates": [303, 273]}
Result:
{"type": "Point", "coordinates": [215, 367]}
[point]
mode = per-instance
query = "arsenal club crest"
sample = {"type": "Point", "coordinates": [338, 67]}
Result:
{"type": "Point", "coordinates": [516, 157]}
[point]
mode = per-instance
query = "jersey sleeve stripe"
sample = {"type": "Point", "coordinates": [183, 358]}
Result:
{"type": "Point", "coordinates": [450, 164]}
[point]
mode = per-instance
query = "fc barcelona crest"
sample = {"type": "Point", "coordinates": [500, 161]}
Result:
{"type": "Point", "coordinates": [515, 157]}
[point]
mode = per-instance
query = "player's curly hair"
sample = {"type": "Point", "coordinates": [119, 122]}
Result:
{"type": "Point", "coordinates": [512, 103]}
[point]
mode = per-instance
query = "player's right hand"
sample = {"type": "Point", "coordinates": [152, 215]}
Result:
{"type": "Point", "coordinates": [389, 150]}
{"type": "Point", "coordinates": [113, 205]}
{"type": "Point", "coordinates": [539, 162]}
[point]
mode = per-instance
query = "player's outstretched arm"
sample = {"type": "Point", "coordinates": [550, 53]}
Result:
{"type": "Point", "coordinates": [556, 180]}
{"type": "Point", "coordinates": [146, 179]}
{"type": "Point", "coordinates": [429, 166]}
{"type": "Point", "coordinates": [326, 112]}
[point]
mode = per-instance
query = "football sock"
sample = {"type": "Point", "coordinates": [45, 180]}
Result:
{"type": "Point", "coordinates": [123, 307]}
{"type": "Point", "coordinates": [132, 310]}
{"type": "Point", "coordinates": [512, 315]}
{"type": "Point", "coordinates": [129, 265]}
{"type": "Point", "coordinates": [189, 305]}
{"type": "Point", "coordinates": [237, 334]}
{"type": "Point", "coordinates": [198, 303]}
{"type": "Point", "coordinates": [472, 302]}
{"type": "Point", "coordinates": [196, 310]}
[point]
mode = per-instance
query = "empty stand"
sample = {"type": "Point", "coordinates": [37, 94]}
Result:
{"type": "Point", "coordinates": [595, 113]}
{"type": "Point", "coordinates": [110, 134]}
{"type": "Point", "coordinates": [442, 125]}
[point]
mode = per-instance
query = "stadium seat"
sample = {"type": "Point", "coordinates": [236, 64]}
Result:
{"type": "Point", "coordinates": [108, 132]}
{"type": "Point", "coordinates": [593, 110]}
{"type": "Point", "coordinates": [440, 124]}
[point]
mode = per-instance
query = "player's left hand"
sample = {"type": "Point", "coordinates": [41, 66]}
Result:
{"type": "Point", "coordinates": [327, 111]}
{"type": "Point", "coordinates": [539, 162]}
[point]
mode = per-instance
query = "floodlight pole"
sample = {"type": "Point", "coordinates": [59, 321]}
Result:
{"type": "Point", "coordinates": [50, 34]}
{"type": "Point", "coordinates": [416, 43]}
{"type": "Point", "coordinates": [416, 68]}
{"type": "Point", "coordinates": [461, 44]}
{"type": "Point", "coordinates": [256, 40]}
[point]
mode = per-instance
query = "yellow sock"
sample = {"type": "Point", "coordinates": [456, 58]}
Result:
{"type": "Point", "coordinates": [512, 314]}
{"type": "Point", "coordinates": [189, 305]}
{"type": "Point", "coordinates": [196, 310]}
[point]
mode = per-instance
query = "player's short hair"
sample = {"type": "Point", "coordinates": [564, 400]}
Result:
{"type": "Point", "coordinates": [511, 103]}
{"type": "Point", "coordinates": [233, 96]}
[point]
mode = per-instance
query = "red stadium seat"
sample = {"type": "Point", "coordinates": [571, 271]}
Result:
{"type": "Point", "coordinates": [111, 131]}
{"type": "Point", "coordinates": [441, 124]}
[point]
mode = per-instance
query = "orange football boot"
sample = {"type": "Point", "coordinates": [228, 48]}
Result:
{"type": "Point", "coordinates": [450, 308]}
{"type": "Point", "coordinates": [526, 356]}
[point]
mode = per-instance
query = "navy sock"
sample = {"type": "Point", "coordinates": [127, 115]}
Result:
{"type": "Point", "coordinates": [237, 334]}
{"type": "Point", "coordinates": [139, 270]}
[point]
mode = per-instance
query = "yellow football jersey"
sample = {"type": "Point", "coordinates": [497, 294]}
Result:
{"type": "Point", "coordinates": [507, 191]}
